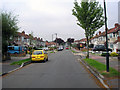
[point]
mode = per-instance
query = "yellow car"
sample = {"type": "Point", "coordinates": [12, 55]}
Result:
{"type": "Point", "coordinates": [39, 55]}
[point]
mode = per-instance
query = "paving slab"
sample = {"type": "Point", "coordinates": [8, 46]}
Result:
{"type": "Point", "coordinates": [6, 67]}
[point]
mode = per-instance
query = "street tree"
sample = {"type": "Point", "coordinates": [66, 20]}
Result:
{"type": "Point", "coordinates": [90, 17]}
{"type": "Point", "coordinates": [9, 28]}
{"type": "Point", "coordinates": [59, 41]}
{"type": "Point", "coordinates": [31, 45]}
{"type": "Point", "coordinates": [70, 40]}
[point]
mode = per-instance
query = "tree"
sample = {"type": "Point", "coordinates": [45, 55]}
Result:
{"type": "Point", "coordinates": [59, 41]}
{"type": "Point", "coordinates": [9, 29]}
{"type": "Point", "coordinates": [31, 47]}
{"type": "Point", "coordinates": [70, 40]}
{"type": "Point", "coordinates": [90, 17]}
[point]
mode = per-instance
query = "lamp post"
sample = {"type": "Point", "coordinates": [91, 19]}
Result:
{"type": "Point", "coordinates": [107, 56]}
{"type": "Point", "coordinates": [52, 37]}
{"type": "Point", "coordinates": [56, 39]}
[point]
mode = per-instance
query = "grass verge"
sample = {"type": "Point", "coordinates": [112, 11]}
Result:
{"type": "Point", "coordinates": [20, 62]}
{"type": "Point", "coordinates": [73, 51]}
{"type": "Point", "coordinates": [96, 54]}
{"type": "Point", "coordinates": [51, 52]}
{"type": "Point", "coordinates": [102, 68]}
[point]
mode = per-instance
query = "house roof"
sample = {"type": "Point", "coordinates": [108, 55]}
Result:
{"type": "Point", "coordinates": [50, 43]}
{"type": "Point", "coordinates": [83, 40]}
{"type": "Point", "coordinates": [35, 38]}
{"type": "Point", "coordinates": [112, 30]}
{"type": "Point", "coordinates": [77, 41]}
{"type": "Point", "coordinates": [28, 36]}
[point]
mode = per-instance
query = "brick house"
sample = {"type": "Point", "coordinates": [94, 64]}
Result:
{"type": "Point", "coordinates": [50, 44]}
{"type": "Point", "coordinates": [22, 39]}
{"type": "Point", "coordinates": [100, 38]}
{"type": "Point", "coordinates": [113, 38]}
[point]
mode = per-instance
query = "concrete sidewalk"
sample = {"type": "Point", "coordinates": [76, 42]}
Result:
{"type": "Point", "coordinates": [112, 82]}
{"type": "Point", "coordinates": [112, 60]}
{"type": "Point", "coordinates": [6, 67]}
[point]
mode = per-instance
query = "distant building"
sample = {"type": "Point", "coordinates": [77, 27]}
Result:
{"type": "Point", "coordinates": [50, 44]}
{"type": "Point", "coordinates": [22, 39]}
{"type": "Point", "coordinates": [113, 38]}
{"type": "Point", "coordinates": [100, 39]}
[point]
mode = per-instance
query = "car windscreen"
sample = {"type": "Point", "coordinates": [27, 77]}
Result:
{"type": "Point", "coordinates": [10, 48]}
{"type": "Point", "coordinates": [37, 52]}
{"type": "Point", "coordinates": [99, 46]}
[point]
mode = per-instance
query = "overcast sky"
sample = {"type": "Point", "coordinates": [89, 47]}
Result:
{"type": "Point", "coordinates": [46, 17]}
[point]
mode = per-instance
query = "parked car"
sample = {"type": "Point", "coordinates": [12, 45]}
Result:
{"type": "Point", "coordinates": [45, 48]}
{"type": "Point", "coordinates": [39, 55]}
{"type": "Point", "coordinates": [101, 48]}
{"type": "Point", "coordinates": [67, 48]}
{"type": "Point", "coordinates": [60, 48]}
{"type": "Point", "coordinates": [15, 49]}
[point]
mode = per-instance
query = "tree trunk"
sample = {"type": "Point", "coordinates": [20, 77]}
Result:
{"type": "Point", "coordinates": [87, 48]}
{"type": "Point", "coordinates": [30, 53]}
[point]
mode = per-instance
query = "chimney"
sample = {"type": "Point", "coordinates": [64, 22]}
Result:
{"type": "Point", "coordinates": [99, 32]}
{"type": "Point", "coordinates": [118, 37]}
{"type": "Point", "coordinates": [116, 25]}
{"type": "Point", "coordinates": [23, 32]}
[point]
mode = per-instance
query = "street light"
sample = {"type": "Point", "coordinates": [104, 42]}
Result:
{"type": "Point", "coordinates": [52, 37]}
{"type": "Point", "coordinates": [107, 56]}
{"type": "Point", "coordinates": [56, 37]}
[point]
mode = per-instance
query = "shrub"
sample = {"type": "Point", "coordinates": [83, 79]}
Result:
{"type": "Point", "coordinates": [113, 54]}
{"type": "Point", "coordinates": [28, 52]}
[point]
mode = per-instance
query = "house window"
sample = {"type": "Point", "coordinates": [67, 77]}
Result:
{"type": "Point", "coordinates": [22, 39]}
{"type": "Point", "coordinates": [111, 45]}
{"type": "Point", "coordinates": [111, 35]}
{"type": "Point", "coordinates": [119, 33]}
{"type": "Point", "coordinates": [18, 39]}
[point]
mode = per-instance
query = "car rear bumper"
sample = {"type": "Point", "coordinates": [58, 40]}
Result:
{"type": "Point", "coordinates": [41, 59]}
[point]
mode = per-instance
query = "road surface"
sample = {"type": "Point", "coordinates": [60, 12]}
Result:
{"type": "Point", "coordinates": [63, 70]}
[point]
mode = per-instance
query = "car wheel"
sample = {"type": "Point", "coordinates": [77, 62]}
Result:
{"type": "Point", "coordinates": [31, 61]}
{"type": "Point", "coordinates": [44, 60]}
{"type": "Point", "coordinates": [47, 59]}
{"type": "Point", "coordinates": [15, 53]}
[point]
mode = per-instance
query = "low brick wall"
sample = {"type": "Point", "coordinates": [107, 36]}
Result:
{"type": "Point", "coordinates": [18, 55]}
{"type": "Point", "coordinates": [85, 49]}
{"type": "Point", "coordinates": [76, 48]}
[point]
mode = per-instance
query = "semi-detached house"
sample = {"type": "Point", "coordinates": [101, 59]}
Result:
{"type": "Point", "coordinates": [113, 38]}
{"type": "Point", "coordinates": [100, 38]}
{"type": "Point", "coordinates": [22, 39]}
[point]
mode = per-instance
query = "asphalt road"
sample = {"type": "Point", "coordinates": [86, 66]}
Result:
{"type": "Point", "coordinates": [63, 70]}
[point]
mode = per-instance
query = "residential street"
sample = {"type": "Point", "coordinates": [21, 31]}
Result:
{"type": "Point", "coordinates": [63, 70]}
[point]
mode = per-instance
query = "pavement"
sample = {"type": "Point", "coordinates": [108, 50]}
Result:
{"type": "Point", "coordinates": [114, 63]}
{"type": "Point", "coordinates": [6, 67]}
{"type": "Point", "coordinates": [62, 70]}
